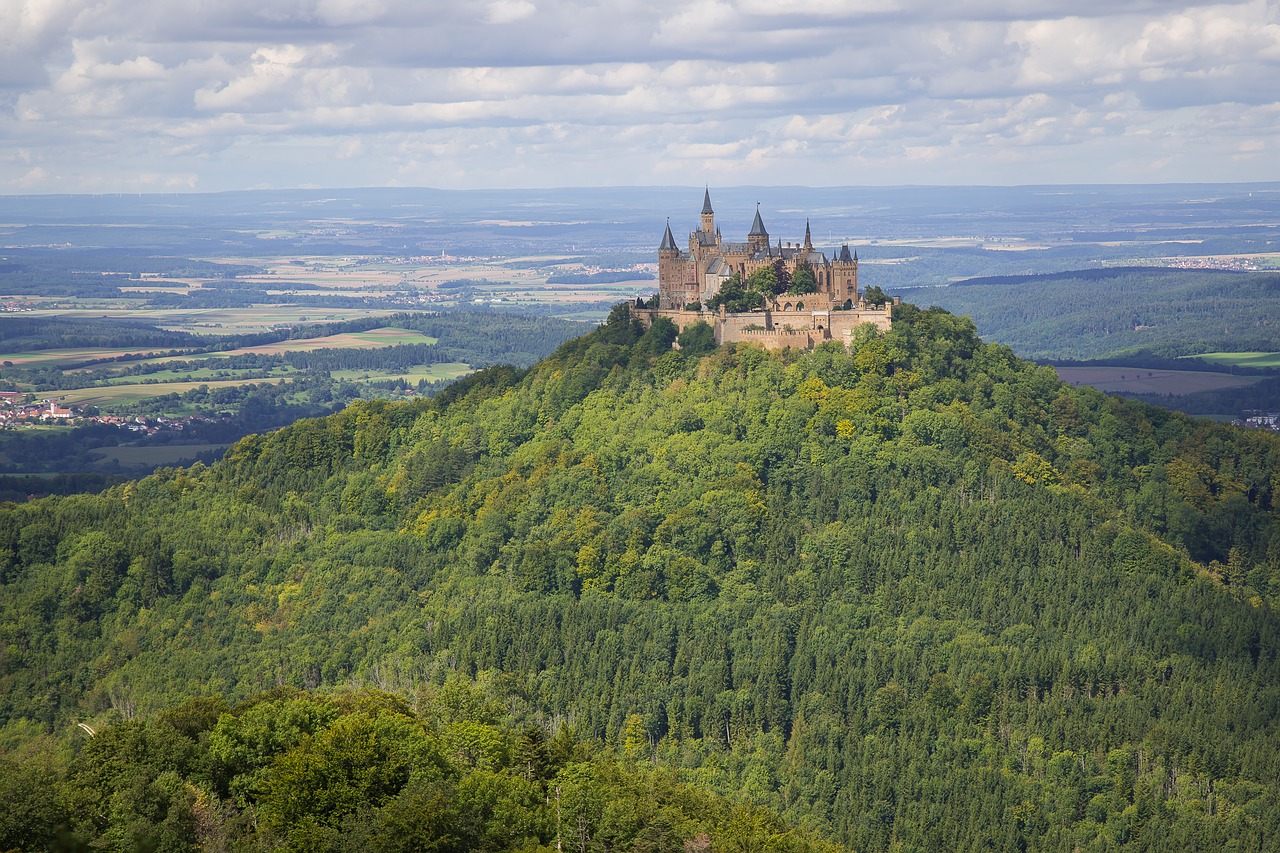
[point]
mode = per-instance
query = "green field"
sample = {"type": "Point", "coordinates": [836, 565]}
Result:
{"type": "Point", "coordinates": [372, 339]}
{"type": "Point", "coordinates": [1242, 359]}
{"type": "Point", "coordinates": [124, 394]}
{"type": "Point", "coordinates": [429, 372]}
{"type": "Point", "coordinates": [59, 357]}
{"type": "Point", "coordinates": [212, 373]}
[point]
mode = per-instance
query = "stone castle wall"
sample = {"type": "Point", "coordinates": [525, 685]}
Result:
{"type": "Point", "coordinates": [777, 330]}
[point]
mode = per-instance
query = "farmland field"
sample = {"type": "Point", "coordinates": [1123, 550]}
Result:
{"type": "Point", "coordinates": [1243, 359]}
{"type": "Point", "coordinates": [1133, 380]}
{"type": "Point", "coordinates": [429, 372]}
{"type": "Point", "coordinates": [217, 321]}
{"type": "Point", "coordinates": [122, 394]}
{"type": "Point", "coordinates": [372, 339]}
{"type": "Point", "coordinates": [59, 357]}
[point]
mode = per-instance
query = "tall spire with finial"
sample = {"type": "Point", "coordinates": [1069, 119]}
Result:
{"type": "Point", "coordinates": [808, 241]}
{"type": "Point", "coordinates": [708, 215]}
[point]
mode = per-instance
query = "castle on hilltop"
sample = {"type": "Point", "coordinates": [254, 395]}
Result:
{"type": "Point", "coordinates": [775, 295]}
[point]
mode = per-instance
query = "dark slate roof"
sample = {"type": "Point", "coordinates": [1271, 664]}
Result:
{"type": "Point", "coordinates": [845, 257]}
{"type": "Point", "coordinates": [668, 242]}
{"type": "Point", "coordinates": [757, 227]}
{"type": "Point", "coordinates": [706, 201]}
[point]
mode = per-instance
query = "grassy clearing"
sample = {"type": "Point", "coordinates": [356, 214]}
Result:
{"type": "Point", "coordinates": [1134, 380]}
{"type": "Point", "coordinates": [1242, 359]}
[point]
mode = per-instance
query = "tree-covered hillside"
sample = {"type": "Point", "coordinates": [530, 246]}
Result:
{"type": "Point", "coordinates": [1105, 313]}
{"type": "Point", "coordinates": [917, 595]}
{"type": "Point", "coordinates": [451, 772]}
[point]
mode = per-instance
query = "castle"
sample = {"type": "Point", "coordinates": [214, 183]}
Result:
{"type": "Point", "coordinates": [779, 296]}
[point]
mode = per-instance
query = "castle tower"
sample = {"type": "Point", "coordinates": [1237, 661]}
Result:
{"type": "Point", "coordinates": [668, 267]}
{"type": "Point", "coordinates": [844, 275]}
{"type": "Point", "coordinates": [708, 215]}
{"type": "Point", "coordinates": [758, 237]}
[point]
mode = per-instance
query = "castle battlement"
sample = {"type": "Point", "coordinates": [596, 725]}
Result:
{"type": "Point", "coordinates": [821, 303]}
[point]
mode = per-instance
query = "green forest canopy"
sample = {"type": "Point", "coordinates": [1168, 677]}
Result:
{"type": "Point", "coordinates": [917, 594]}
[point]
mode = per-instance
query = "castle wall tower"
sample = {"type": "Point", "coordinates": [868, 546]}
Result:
{"type": "Point", "coordinates": [708, 215]}
{"type": "Point", "coordinates": [844, 274]}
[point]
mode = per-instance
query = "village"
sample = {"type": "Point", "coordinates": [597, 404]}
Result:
{"type": "Point", "coordinates": [20, 409]}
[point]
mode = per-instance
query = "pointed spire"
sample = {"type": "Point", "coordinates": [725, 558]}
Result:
{"type": "Point", "coordinates": [706, 201]}
{"type": "Point", "coordinates": [668, 242]}
{"type": "Point", "coordinates": [757, 227]}
{"type": "Point", "coordinates": [808, 241]}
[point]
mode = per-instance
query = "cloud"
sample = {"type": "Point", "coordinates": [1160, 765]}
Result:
{"type": "Point", "coordinates": [242, 92]}
{"type": "Point", "coordinates": [509, 11]}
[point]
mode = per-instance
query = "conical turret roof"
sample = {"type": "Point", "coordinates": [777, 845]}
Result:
{"type": "Point", "coordinates": [706, 201]}
{"type": "Point", "coordinates": [668, 242]}
{"type": "Point", "coordinates": [757, 227]}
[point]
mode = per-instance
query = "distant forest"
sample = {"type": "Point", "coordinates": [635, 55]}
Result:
{"type": "Point", "coordinates": [1105, 313]}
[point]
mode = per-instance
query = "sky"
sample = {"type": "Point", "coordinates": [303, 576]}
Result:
{"type": "Point", "coordinates": [213, 95]}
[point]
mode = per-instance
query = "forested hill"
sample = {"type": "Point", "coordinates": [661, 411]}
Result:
{"type": "Point", "coordinates": [916, 595]}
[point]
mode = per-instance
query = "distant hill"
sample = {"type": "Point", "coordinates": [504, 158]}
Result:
{"type": "Point", "coordinates": [915, 595]}
{"type": "Point", "coordinates": [1106, 313]}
